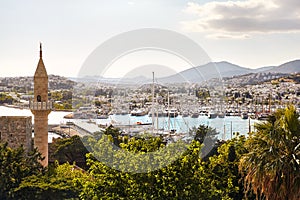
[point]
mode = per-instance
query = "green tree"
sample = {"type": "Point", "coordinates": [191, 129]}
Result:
{"type": "Point", "coordinates": [222, 177]}
{"type": "Point", "coordinates": [61, 182]}
{"type": "Point", "coordinates": [187, 177]}
{"type": "Point", "coordinates": [114, 133]}
{"type": "Point", "coordinates": [272, 165]}
{"type": "Point", "coordinates": [70, 150]}
{"type": "Point", "coordinates": [208, 136]}
{"type": "Point", "coordinates": [15, 165]}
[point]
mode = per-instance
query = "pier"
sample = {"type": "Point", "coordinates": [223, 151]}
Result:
{"type": "Point", "coordinates": [80, 128]}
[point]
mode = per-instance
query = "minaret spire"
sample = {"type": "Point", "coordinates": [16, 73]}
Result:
{"type": "Point", "coordinates": [41, 53]}
{"type": "Point", "coordinates": [40, 106]}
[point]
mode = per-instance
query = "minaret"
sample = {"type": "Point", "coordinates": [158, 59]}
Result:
{"type": "Point", "coordinates": [40, 108]}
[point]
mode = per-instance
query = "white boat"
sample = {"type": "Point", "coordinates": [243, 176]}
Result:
{"type": "Point", "coordinates": [133, 113]}
{"type": "Point", "coordinates": [141, 112]}
{"type": "Point", "coordinates": [138, 112]}
{"type": "Point", "coordinates": [221, 114]}
{"type": "Point", "coordinates": [263, 116]}
{"type": "Point", "coordinates": [171, 113]}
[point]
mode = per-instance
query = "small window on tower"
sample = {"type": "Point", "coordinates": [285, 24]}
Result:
{"type": "Point", "coordinates": [38, 98]}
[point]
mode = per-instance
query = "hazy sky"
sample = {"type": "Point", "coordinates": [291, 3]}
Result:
{"type": "Point", "coordinates": [250, 33]}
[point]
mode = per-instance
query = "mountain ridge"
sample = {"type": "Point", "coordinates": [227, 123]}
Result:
{"type": "Point", "coordinates": [225, 69]}
{"type": "Point", "coordinates": [220, 69]}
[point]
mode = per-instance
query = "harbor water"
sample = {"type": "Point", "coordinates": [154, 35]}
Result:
{"type": "Point", "coordinates": [226, 127]}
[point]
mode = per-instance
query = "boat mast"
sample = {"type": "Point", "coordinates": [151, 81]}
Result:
{"type": "Point", "coordinates": [168, 111]}
{"type": "Point", "coordinates": [156, 113]}
{"type": "Point", "coordinates": [152, 109]}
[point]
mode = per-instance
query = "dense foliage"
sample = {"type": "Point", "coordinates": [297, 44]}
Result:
{"type": "Point", "coordinates": [264, 166]}
{"type": "Point", "coordinates": [70, 150]}
{"type": "Point", "coordinates": [62, 99]}
{"type": "Point", "coordinates": [15, 165]}
{"type": "Point", "coordinates": [188, 177]}
{"type": "Point", "coordinates": [61, 182]}
{"type": "Point", "coordinates": [272, 165]}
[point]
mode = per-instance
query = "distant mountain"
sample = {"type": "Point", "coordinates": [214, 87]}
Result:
{"type": "Point", "coordinates": [206, 72]}
{"type": "Point", "coordinates": [227, 69]}
{"type": "Point", "coordinates": [201, 73]}
{"type": "Point", "coordinates": [288, 68]}
{"type": "Point", "coordinates": [263, 69]}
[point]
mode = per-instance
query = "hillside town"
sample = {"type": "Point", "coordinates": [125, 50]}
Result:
{"type": "Point", "coordinates": [251, 93]}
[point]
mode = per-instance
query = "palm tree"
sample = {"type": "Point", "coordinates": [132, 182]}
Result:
{"type": "Point", "coordinates": [271, 168]}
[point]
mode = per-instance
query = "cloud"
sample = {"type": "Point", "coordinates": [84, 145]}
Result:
{"type": "Point", "coordinates": [232, 18]}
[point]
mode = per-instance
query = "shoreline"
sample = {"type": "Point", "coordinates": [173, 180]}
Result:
{"type": "Point", "coordinates": [27, 108]}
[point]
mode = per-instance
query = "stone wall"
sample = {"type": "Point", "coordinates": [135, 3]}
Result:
{"type": "Point", "coordinates": [16, 131]}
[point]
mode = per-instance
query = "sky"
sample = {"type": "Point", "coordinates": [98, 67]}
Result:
{"type": "Point", "coordinates": [249, 33]}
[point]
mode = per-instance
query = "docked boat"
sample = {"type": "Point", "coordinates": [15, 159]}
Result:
{"type": "Point", "coordinates": [263, 116]}
{"type": "Point", "coordinates": [221, 114]}
{"type": "Point", "coordinates": [244, 115]}
{"type": "Point", "coordinates": [133, 113]}
{"type": "Point", "coordinates": [172, 112]}
{"type": "Point", "coordinates": [141, 112]}
{"type": "Point", "coordinates": [143, 123]}
{"type": "Point", "coordinates": [185, 113]}
{"type": "Point", "coordinates": [195, 115]}
{"type": "Point", "coordinates": [212, 115]}
{"type": "Point", "coordinates": [138, 112]}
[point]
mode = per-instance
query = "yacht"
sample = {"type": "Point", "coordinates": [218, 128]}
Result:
{"type": "Point", "coordinates": [212, 115]}
{"type": "Point", "coordinates": [195, 114]}
{"type": "Point", "coordinates": [221, 114]}
{"type": "Point", "coordinates": [185, 113]}
{"type": "Point", "coordinates": [244, 115]}
{"type": "Point", "coordinates": [172, 112]}
{"type": "Point", "coordinates": [263, 116]}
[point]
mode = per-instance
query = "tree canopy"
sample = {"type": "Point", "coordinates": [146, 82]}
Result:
{"type": "Point", "coordinates": [272, 164]}
{"type": "Point", "coordinates": [264, 165]}
{"type": "Point", "coordinates": [15, 165]}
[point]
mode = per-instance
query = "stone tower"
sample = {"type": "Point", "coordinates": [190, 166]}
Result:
{"type": "Point", "coordinates": [40, 108]}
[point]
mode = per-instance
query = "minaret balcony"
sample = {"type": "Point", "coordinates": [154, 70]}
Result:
{"type": "Point", "coordinates": [33, 105]}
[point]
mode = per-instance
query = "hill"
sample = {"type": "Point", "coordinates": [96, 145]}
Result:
{"type": "Point", "coordinates": [288, 68]}
{"type": "Point", "coordinates": [206, 72]}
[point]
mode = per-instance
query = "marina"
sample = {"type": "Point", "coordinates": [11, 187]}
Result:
{"type": "Point", "coordinates": [226, 126]}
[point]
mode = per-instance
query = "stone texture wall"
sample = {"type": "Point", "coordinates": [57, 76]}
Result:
{"type": "Point", "coordinates": [16, 131]}
{"type": "Point", "coordinates": [41, 88]}
{"type": "Point", "coordinates": [41, 133]}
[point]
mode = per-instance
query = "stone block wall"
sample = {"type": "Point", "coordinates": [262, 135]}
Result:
{"type": "Point", "coordinates": [16, 131]}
